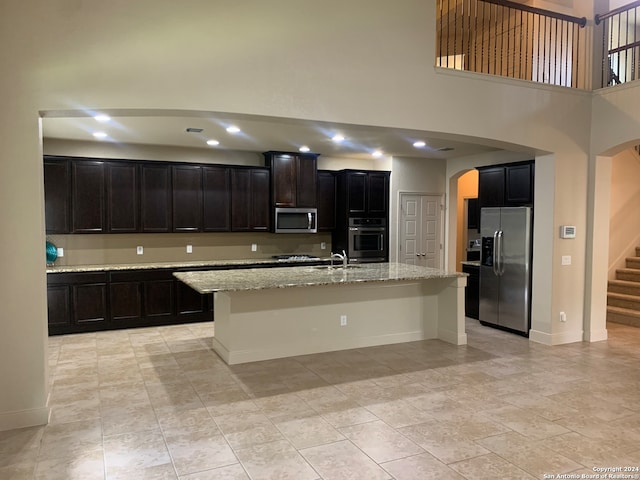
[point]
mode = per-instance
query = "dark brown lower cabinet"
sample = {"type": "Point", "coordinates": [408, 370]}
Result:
{"type": "Point", "coordinates": [472, 291]}
{"type": "Point", "coordinates": [77, 302]}
{"type": "Point", "coordinates": [116, 300]}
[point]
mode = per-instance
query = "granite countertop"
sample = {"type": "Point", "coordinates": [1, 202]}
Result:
{"type": "Point", "coordinates": [473, 263]}
{"type": "Point", "coordinates": [157, 265]}
{"type": "Point", "coordinates": [304, 276]}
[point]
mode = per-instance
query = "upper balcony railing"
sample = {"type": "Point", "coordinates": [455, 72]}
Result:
{"type": "Point", "coordinates": [620, 44]}
{"type": "Point", "coordinates": [505, 38]}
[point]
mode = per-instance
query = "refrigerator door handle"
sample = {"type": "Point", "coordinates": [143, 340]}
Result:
{"type": "Point", "coordinates": [494, 264]}
{"type": "Point", "coordinates": [499, 252]}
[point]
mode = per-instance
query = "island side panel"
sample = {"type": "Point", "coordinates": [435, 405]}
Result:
{"type": "Point", "coordinates": [451, 319]}
{"type": "Point", "coordinates": [282, 322]}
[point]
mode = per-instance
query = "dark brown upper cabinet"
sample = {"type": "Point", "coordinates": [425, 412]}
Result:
{"type": "Point", "coordinates": [123, 197]}
{"type": "Point", "coordinates": [250, 199]}
{"type": "Point", "coordinates": [187, 198]}
{"type": "Point", "coordinates": [155, 198]}
{"type": "Point", "coordinates": [326, 200]}
{"type": "Point", "coordinates": [57, 195]}
{"type": "Point", "coordinates": [363, 193]}
{"type": "Point", "coordinates": [293, 178]}
{"type": "Point", "coordinates": [216, 198]}
{"type": "Point", "coordinates": [88, 197]}
{"type": "Point", "coordinates": [509, 185]}
{"type": "Point", "coordinates": [519, 184]}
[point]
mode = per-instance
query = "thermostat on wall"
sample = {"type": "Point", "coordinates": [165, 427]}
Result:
{"type": "Point", "coordinates": [567, 231]}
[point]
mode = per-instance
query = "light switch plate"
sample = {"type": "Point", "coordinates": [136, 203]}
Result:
{"type": "Point", "coordinates": [323, 245]}
{"type": "Point", "coordinates": [566, 260]}
{"type": "Point", "coordinates": [139, 250]}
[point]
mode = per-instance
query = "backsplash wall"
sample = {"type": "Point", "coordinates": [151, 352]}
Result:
{"type": "Point", "coordinates": [101, 249]}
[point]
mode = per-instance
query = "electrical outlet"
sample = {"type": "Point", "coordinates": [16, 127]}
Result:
{"type": "Point", "coordinates": [189, 248]}
{"type": "Point", "coordinates": [323, 245]}
{"type": "Point", "coordinates": [139, 250]}
{"type": "Point", "coordinates": [60, 251]}
{"type": "Point", "coordinates": [343, 320]}
{"type": "Point", "coordinates": [254, 247]}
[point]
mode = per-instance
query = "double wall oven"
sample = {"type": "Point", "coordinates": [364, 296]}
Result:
{"type": "Point", "coordinates": [367, 240]}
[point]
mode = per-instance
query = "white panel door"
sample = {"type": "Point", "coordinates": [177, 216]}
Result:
{"type": "Point", "coordinates": [420, 241]}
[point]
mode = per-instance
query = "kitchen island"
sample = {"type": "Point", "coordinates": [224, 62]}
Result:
{"type": "Point", "coordinates": [263, 314]}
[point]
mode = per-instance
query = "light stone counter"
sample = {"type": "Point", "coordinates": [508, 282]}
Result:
{"type": "Point", "coordinates": [263, 314]}
{"type": "Point", "coordinates": [306, 276]}
{"type": "Point", "coordinates": [195, 264]}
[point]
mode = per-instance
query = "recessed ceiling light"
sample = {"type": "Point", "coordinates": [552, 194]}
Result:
{"type": "Point", "coordinates": [304, 149]}
{"type": "Point", "coordinates": [233, 129]}
{"type": "Point", "coordinates": [376, 153]}
{"type": "Point", "coordinates": [213, 143]}
{"type": "Point", "coordinates": [337, 138]}
{"type": "Point", "coordinates": [102, 118]}
{"type": "Point", "coordinates": [419, 144]}
{"type": "Point", "coordinates": [100, 135]}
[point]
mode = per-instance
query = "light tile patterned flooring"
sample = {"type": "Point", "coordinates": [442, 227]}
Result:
{"type": "Point", "coordinates": [159, 404]}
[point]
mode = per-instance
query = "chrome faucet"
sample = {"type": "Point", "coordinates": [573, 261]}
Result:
{"type": "Point", "coordinates": [341, 256]}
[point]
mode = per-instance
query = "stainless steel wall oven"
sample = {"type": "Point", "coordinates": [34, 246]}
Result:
{"type": "Point", "coordinates": [368, 240]}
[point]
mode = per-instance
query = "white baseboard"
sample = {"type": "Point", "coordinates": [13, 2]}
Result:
{"type": "Point", "coordinates": [24, 418]}
{"type": "Point", "coordinates": [596, 335]}
{"type": "Point", "coordinates": [555, 338]}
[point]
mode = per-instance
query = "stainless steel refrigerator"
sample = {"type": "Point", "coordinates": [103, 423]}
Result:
{"type": "Point", "coordinates": [505, 268]}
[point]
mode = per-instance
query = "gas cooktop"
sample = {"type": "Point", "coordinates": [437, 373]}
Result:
{"type": "Point", "coordinates": [296, 256]}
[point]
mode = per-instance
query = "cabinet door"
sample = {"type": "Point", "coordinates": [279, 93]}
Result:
{"type": "Point", "coordinates": [159, 298]}
{"type": "Point", "coordinates": [307, 181]}
{"type": "Point", "coordinates": [58, 308]}
{"type": "Point", "coordinates": [90, 305]}
{"type": "Point", "coordinates": [491, 187]}
{"type": "Point", "coordinates": [378, 194]}
{"type": "Point", "coordinates": [240, 199]}
{"type": "Point", "coordinates": [189, 302]}
{"type": "Point", "coordinates": [326, 200]}
{"type": "Point", "coordinates": [56, 196]}
{"type": "Point", "coordinates": [357, 193]}
{"type": "Point", "coordinates": [260, 210]}
{"type": "Point", "coordinates": [283, 177]}
{"type": "Point", "coordinates": [155, 191]}
{"type": "Point", "coordinates": [125, 300]}
{"type": "Point", "coordinates": [250, 199]}
{"type": "Point", "coordinates": [87, 197]}
{"type": "Point", "coordinates": [519, 185]}
{"type": "Point", "coordinates": [216, 199]}
{"type": "Point", "coordinates": [123, 197]}
{"type": "Point", "coordinates": [187, 198]}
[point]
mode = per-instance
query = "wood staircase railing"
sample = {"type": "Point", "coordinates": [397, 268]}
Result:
{"type": "Point", "coordinates": [623, 294]}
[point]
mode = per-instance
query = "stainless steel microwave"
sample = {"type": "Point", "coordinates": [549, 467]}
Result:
{"type": "Point", "coordinates": [296, 220]}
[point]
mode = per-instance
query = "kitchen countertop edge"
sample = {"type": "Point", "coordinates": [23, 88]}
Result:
{"type": "Point", "coordinates": [305, 276]}
{"type": "Point", "coordinates": [169, 265]}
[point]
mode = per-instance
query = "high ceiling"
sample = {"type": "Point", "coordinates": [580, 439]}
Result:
{"type": "Point", "coordinates": [258, 134]}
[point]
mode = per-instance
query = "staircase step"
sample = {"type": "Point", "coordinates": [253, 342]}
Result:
{"type": "Point", "coordinates": [623, 300]}
{"type": "Point", "coordinates": [623, 315]}
{"type": "Point", "coordinates": [632, 262]}
{"type": "Point", "coordinates": [623, 286]}
{"type": "Point", "coordinates": [629, 274]}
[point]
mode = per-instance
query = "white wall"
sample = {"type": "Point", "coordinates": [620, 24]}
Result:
{"type": "Point", "coordinates": [363, 62]}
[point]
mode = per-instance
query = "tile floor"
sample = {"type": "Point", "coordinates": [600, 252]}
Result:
{"type": "Point", "coordinates": [157, 403]}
